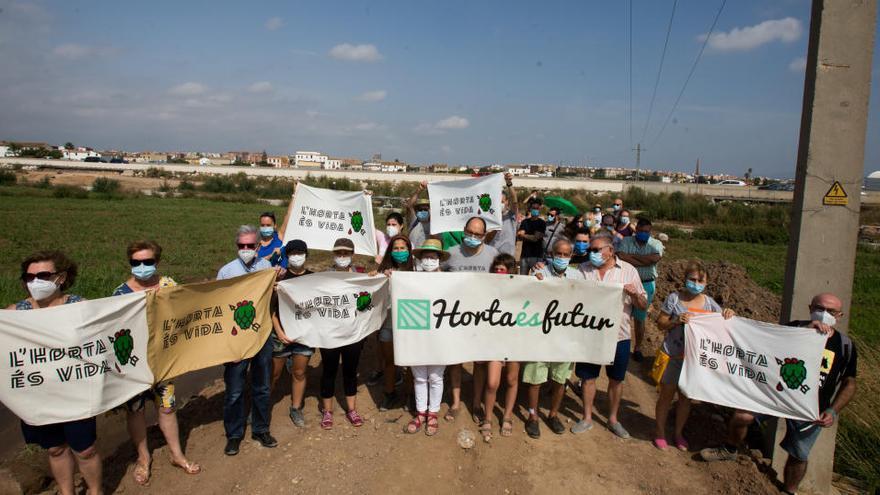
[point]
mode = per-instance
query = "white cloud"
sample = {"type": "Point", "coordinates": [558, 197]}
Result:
{"type": "Point", "coordinates": [367, 126]}
{"type": "Point", "coordinates": [786, 30]}
{"type": "Point", "coordinates": [274, 23]}
{"type": "Point", "coordinates": [371, 96]}
{"type": "Point", "coordinates": [356, 53]}
{"type": "Point", "coordinates": [798, 65]}
{"type": "Point", "coordinates": [261, 87]}
{"type": "Point", "coordinates": [76, 51]}
{"type": "Point", "coordinates": [454, 122]}
{"type": "Point", "coordinates": [188, 89]}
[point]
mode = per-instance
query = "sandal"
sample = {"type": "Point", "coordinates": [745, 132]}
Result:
{"type": "Point", "coordinates": [415, 424]}
{"type": "Point", "coordinates": [452, 414]}
{"type": "Point", "coordinates": [477, 416]}
{"type": "Point", "coordinates": [433, 425]}
{"type": "Point", "coordinates": [506, 427]}
{"type": "Point", "coordinates": [327, 420]}
{"type": "Point", "coordinates": [188, 467]}
{"type": "Point", "coordinates": [141, 474]}
{"type": "Point", "coordinates": [486, 431]}
{"type": "Point", "coordinates": [354, 418]}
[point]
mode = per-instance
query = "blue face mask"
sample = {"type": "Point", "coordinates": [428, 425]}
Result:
{"type": "Point", "coordinates": [624, 220]}
{"type": "Point", "coordinates": [143, 272]}
{"type": "Point", "coordinates": [471, 242]}
{"type": "Point", "coordinates": [596, 259]}
{"type": "Point", "coordinates": [422, 215]}
{"type": "Point", "coordinates": [267, 231]}
{"type": "Point", "coordinates": [693, 287]}
{"type": "Point", "coordinates": [400, 256]}
{"type": "Point", "coordinates": [580, 247]}
{"type": "Point", "coordinates": [616, 207]}
{"type": "Point", "coordinates": [535, 212]}
{"type": "Point", "coordinates": [643, 236]}
{"type": "Point", "coordinates": [551, 218]}
{"type": "Point", "coordinates": [560, 264]}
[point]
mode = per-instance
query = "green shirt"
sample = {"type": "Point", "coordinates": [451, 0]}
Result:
{"type": "Point", "coordinates": [629, 245]}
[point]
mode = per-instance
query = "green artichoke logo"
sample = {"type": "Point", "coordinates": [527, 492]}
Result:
{"type": "Point", "coordinates": [485, 202]}
{"type": "Point", "coordinates": [123, 345]}
{"type": "Point", "coordinates": [244, 315]}
{"type": "Point", "coordinates": [364, 301]}
{"type": "Point", "coordinates": [357, 221]}
{"type": "Point", "coordinates": [793, 373]}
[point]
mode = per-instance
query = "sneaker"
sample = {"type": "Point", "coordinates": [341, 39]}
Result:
{"type": "Point", "coordinates": [354, 418]}
{"type": "Point", "coordinates": [388, 402]}
{"type": "Point", "coordinates": [661, 443]}
{"type": "Point", "coordinates": [327, 420]}
{"type": "Point", "coordinates": [556, 425]}
{"type": "Point", "coordinates": [375, 377]}
{"type": "Point", "coordinates": [582, 426]}
{"type": "Point", "coordinates": [296, 415]}
{"type": "Point", "coordinates": [717, 454]}
{"type": "Point", "coordinates": [232, 446]}
{"type": "Point", "coordinates": [619, 430]}
{"type": "Point", "coordinates": [266, 439]}
{"type": "Point", "coordinates": [638, 356]}
{"type": "Point", "coordinates": [681, 444]}
{"type": "Point", "coordinates": [533, 428]}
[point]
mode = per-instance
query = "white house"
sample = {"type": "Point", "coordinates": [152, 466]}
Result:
{"type": "Point", "coordinates": [332, 164]}
{"type": "Point", "coordinates": [79, 153]}
{"type": "Point", "coordinates": [373, 166]}
{"type": "Point", "coordinates": [309, 158]}
{"type": "Point", "coordinates": [4, 150]}
{"type": "Point", "coordinates": [518, 170]}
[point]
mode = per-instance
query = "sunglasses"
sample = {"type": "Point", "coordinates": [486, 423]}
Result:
{"type": "Point", "coordinates": [596, 250]}
{"type": "Point", "coordinates": [246, 246]}
{"type": "Point", "coordinates": [30, 277]}
{"type": "Point", "coordinates": [148, 262]}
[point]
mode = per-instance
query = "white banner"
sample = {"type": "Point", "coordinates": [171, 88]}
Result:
{"type": "Point", "coordinates": [74, 361]}
{"type": "Point", "coordinates": [320, 216]}
{"type": "Point", "coordinates": [449, 318]}
{"type": "Point", "coordinates": [752, 365]}
{"type": "Point", "coordinates": [332, 309]}
{"type": "Point", "coordinates": [454, 202]}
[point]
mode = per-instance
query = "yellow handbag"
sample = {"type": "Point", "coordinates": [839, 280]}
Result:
{"type": "Point", "coordinates": [661, 360]}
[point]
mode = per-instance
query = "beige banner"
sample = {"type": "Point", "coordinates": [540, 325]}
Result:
{"type": "Point", "coordinates": [196, 326]}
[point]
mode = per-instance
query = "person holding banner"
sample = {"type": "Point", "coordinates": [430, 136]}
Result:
{"type": "Point", "coordinates": [343, 251]}
{"type": "Point", "coordinates": [45, 276]}
{"type": "Point", "coordinates": [504, 240]}
{"type": "Point", "coordinates": [235, 374]}
{"type": "Point", "coordinates": [420, 216]}
{"type": "Point", "coordinates": [538, 373]}
{"type": "Point", "coordinates": [283, 349]}
{"type": "Point", "coordinates": [837, 387]}
{"type": "Point", "coordinates": [144, 257]}
{"type": "Point", "coordinates": [674, 315]}
{"type": "Point", "coordinates": [428, 380]}
{"type": "Point", "coordinates": [397, 258]}
{"type": "Point", "coordinates": [605, 266]}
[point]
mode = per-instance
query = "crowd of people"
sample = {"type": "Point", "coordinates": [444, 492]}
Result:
{"type": "Point", "coordinates": [604, 245]}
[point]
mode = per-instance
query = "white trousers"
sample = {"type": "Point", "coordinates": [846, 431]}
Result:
{"type": "Point", "coordinates": [428, 387]}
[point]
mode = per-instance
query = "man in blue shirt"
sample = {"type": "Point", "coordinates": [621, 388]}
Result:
{"type": "Point", "coordinates": [247, 241]}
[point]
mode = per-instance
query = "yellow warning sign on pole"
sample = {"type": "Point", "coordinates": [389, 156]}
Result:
{"type": "Point", "coordinates": [835, 196]}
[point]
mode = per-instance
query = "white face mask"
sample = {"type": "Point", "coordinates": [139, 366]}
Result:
{"type": "Point", "coordinates": [41, 289]}
{"type": "Point", "coordinates": [392, 231]}
{"type": "Point", "coordinates": [343, 261]}
{"type": "Point", "coordinates": [296, 260]}
{"type": "Point", "coordinates": [430, 264]}
{"type": "Point", "coordinates": [246, 255]}
{"type": "Point", "coordinates": [824, 317]}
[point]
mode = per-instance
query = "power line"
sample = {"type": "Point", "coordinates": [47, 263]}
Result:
{"type": "Point", "coordinates": [691, 73]}
{"type": "Point", "coordinates": [659, 71]}
{"type": "Point", "coordinates": [630, 58]}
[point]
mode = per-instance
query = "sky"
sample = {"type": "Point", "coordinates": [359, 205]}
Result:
{"type": "Point", "coordinates": [456, 82]}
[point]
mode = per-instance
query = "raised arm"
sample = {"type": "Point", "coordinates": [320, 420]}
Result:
{"type": "Point", "coordinates": [511, 198]}
{"type": "Point", "coordinates": [283, 227]}
{"type": "Point", "coordinates": [411, 202]}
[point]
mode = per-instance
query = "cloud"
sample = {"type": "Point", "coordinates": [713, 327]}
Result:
{"type": "Point", "coordinates": [798, 65]}
{"type": "Point", "coordinates": [274, 23]}
{"type": "Point", "coordinates": [786, 30]}
{"type": "Point", "coordinates": [188, 89]}
{"type": "Point", "coordinates": [356, 53]}
{"type": "Point", "coordinates": [368, 126]}
{"type": "Point", "coordinates": [440, 127]}
{"type": "Point", "coordinates": [76, 51]}
{"type": "Point", "coordinates": [371, 96]}
{"type": "Point", "coordinates": [261, 87]}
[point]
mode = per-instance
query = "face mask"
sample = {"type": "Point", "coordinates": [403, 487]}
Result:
{"type": "Point", "coordinates": [267, 231]}
{"type": "Point", "coordinates": [616, 207]}
{"type": "Point", "coordinates": [143, 272]}
{"type": "Point", "coordinates": [643, 236]}
{"type": "Point", "coordinates": [624, 220]}
{"type": "Point", "coordinates": [551, 218]}
{"type": "Point", "coordinates": [597, 210]}
{"type": "Point", "coordinates": [824, 317]}
{"type": "Point", "coordinates": [610, 228]}
{"type": "Point", "coordinates": [693, 287]}
{"type": "Point", "coordinates": [472, 242]}
{"type": "Point", "coordinates": [41, 289]}
{"type": "Point", "coordinates": [392, 230]}
{"type": "Point", "coordinates": [430, 264]}
{"type": "Point", "coordinates": [596, 259]}
{"type": "Point", "coordinates": [422, 215]}
{"type": "Point", "coordinates": [246, 255]}
{"type": "Point", "coordinates": [342, 261]}
{"type": "Point", "coordinates": [296, 260]}
{"type": "Point", "coordinates": [535, 212]}
{"type": "Point", "coordinates": [560, 264]}
{"type": "Point", "coordinates": [580, 247]}
{"type": "Point", "coordinates": [400, 256]}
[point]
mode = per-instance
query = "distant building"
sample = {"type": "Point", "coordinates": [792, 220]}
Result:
{"type": "Point", "coordinates": [278, 161]}
{"type": "Point", "coordinates": [373, 166]}
{"type": "Point", "coordinates": [309, 159]}
{"type": "Point", "coordinates": [79, 154]}
{"type": "Point", "coordinates": [518, 170]}
{"type": "Point", "coordinates": [872, 181]}
{"type": "Point", "coordinates": [351, 163]}
{"type": "Point", "coordinates": [439, 168]}
{"type": "Point", "coordinates": [332, 164]}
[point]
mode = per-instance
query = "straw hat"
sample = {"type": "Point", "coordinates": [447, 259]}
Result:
{"type": "Point", "coordinates": [431, 245]}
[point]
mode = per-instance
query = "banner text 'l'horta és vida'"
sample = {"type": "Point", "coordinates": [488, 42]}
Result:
{"type": "Point", "coordinates": [321, 216]}
{"type": "Point", "coordinates": [454, 202]}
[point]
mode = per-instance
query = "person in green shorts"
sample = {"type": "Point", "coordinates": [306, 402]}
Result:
{"type": "Point", "coordinates": [535, 375]}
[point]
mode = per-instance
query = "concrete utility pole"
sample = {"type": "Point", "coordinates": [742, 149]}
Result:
{"type": "Point", "coordinates": [638, 149]}
{"type": "Point", "coordinates": [830, 167]}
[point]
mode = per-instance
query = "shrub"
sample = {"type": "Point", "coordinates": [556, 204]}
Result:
{"type": "Point", "coordinates": [186, 185]}
{"type": "Point", "coordinates": [103, 185]}
{"type": "Point", "coordinates": [7, 178]}
{"type": "Point", "coordinates": [757, 234]}
{"type": "Point", "coordinates": [64, 191]}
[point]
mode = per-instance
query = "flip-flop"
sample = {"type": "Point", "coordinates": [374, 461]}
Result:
{"type": "Point", "coordinates": [188, 467]}
{"type": "Point", "coordinates": [486, 431]}
{"type": "Point", "coordinates": [141, 474]}
{"type": "Point", "coordinates": [452, 414]}
{"type": "Point", "coordinates": [506, 428]}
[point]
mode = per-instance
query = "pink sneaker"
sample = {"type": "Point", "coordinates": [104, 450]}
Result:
{"type": "Point", "coordinates": [661, 443]}
{"type": "Point", "coordinates": [354, 418]}
{"type": "Point", "coordinates": [681, 444]}
{"type": "Point", "coordinates": [327, 420]}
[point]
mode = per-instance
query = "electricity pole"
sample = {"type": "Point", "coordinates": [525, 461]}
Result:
{"type": "Point", "coordinates": [638, 149]}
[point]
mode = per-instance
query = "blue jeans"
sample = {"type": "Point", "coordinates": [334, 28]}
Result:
{"type": "Point", "coordinates": [235, 376]}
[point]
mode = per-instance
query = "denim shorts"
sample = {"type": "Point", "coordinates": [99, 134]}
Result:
{"type": "Point", "coordinates": [282, 350]}
{"type": "Point", "coordinates": [386, 334]}
{"type": "Point", "coordinates": [615, 370]}
{"type": "Point", "coordinates": [798, 443]}
{"type": "Point", "coordinates": [79, 435]}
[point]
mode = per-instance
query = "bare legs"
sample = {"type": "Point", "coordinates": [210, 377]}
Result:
{"type": "Point", "coordinates": [61, 463]}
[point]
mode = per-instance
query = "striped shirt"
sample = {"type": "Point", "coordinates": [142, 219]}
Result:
{"type": "Point", "coordinates": [621, 273]}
